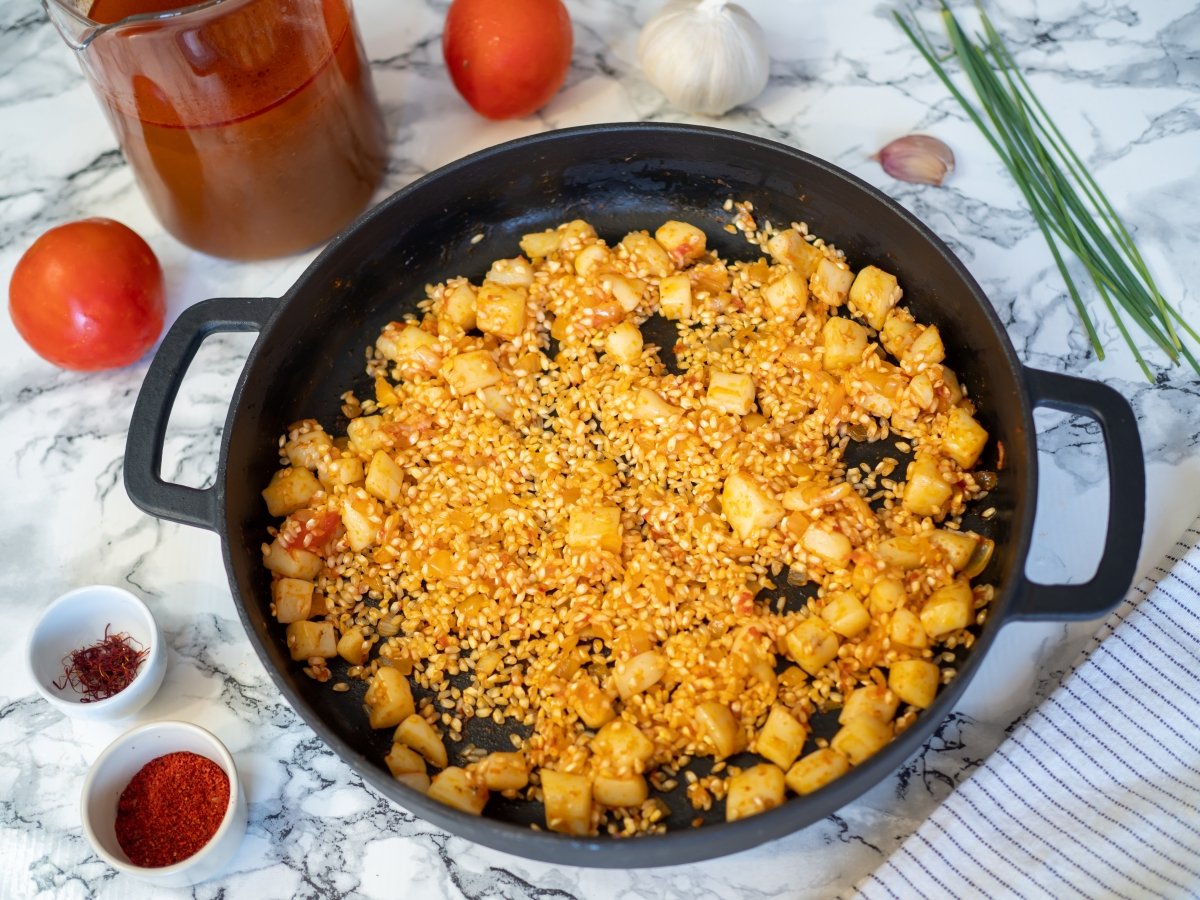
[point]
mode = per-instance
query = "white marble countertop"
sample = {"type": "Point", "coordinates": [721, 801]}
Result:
{"type": "Point", "coordinates": [1124, 84]}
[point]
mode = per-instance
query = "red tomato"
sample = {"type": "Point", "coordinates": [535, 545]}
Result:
{"type": "Point", "coordinates": [297, 533]}
{"type": "Point", "coordinates": [507, 57]}
{"type": "Point", "coordinates": [88, 295]}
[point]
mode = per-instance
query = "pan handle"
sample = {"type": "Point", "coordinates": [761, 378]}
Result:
{"type": "Point", "coordinates": [1126, 501]}
{"type": "Point", "coordinates": [151, 412]}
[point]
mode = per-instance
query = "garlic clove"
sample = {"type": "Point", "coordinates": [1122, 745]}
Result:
{"type": "Point", "coordinates": [706, 56]}
{"type": "Point", "coordinates": [917, 159]}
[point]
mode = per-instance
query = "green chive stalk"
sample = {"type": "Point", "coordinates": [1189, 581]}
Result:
{"type": "Point", "coordinates": [1069, 207]}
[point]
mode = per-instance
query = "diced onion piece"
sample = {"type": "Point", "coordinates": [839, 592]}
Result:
{"type": "Point", "coordinates": [628, 292]}
{"type": "Point", "coordinates": [470, 372]}
{"type": "Point", "coordinates": [631, 640]}
{"type": "Point", "coordinates": [846, 614]}
{"type": "Point", "coordinates": [833, 547]}
{"type": "Point", "coordinates": [873, 295]}
{"type": "Point", "coordinates": [595, 528]}
{"type": "Point", "coordinates": [504, 771]}
{"type": "Point", "coordinates": [591, 704]}
{"type": "Point", "coordinates": [719, 724]}
{"type": "Point", "coordinates": [649, 406]}
{"type": "Point", "coordinates": [647, 255]}
{"type": "Point", "coordinates": [753, 791]}
{"type": "Point", "coordinates": [682, 240]}
{"type": "Point", "coordinates": [500, 310]}
{"type": "Point", "coordinates": [352, 647]}
{"type": "Point", "coordinates": [816, 770]}
{"type": "Point", "coordinates": [568, 800]}
{"type": "Point", "coordinates": [458, 305]}
{"type": "Point", "coordinates": [622, 745]}
{"type": "Point", "coordinates": [306, 640]}
{"type": "Point", "coordinates": [747, 506]}
{"type": "Point", "coordinates": [675, 297]}
{"type": "Point", "coordinates": [624, 343]}
{"type": "Point", "coordinates": [964, 438]}
{"type": "Point", "coordinates": [861, 738]}
{"type": "Point", "coordinates": [927, 492]}
{"type": "Point", "coordinates": [906, 629]}
{"type": "Point", "coordinates": [887, 594]}
{"type": "Point", "coordinates": [460, 789]}
{"type": "Point", "coordinates": [290, 489]}
{"type": "Point", "coordinates": [980, 558]}
{"type": "Point", "coordinates": [731, 392]}
{"type": "Point", "coordinates": [812, 644]}
{"type": "Point", "coordinates": [639, 673]}
{"type": "Point", "coordinates": [874, 701]}
{"type": "Point", "coordinates": [385, 478]}
{"type": "Point", "coordinates": [948, 609]}
{"type": "Point", "coordinates": [413, 349]}
{"type": "Point", "coordinates": [388, 698]}
{"type": "Point", "coordinates": [414, 731]}
{"type": "Point", "coordinates": [793, 678]}
{"type": "Point", "coordinates": [540, 244]}
{"type": "Point", "coordinates": [781, 739]}
{"type": "Point", "coordinates": [291, 599]}
{"type": "Point", "coordinates": [402, 760]}
{"type": "Point", "coordinates": [787, 296]}
{"type": "Point", "coordinates": [791, 249]}
{"type": "Point", "coordinates": [292, 562]}
{"type": "Point", "coordinates": [515, 272]}
{"type": "Point", "coordinates": [915, 681]}
{"type": "Point", "coordinates": [831, 281]}
{"type": "Point", "coordinates": [617, 791]}
{"type": "Point", "coordinates": [844, 341]}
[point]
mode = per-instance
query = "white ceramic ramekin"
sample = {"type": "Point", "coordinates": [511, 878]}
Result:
{"type": "Point", "coordinates": [114, 769]}
{"type": "Point", "coordinates": [78, 619]}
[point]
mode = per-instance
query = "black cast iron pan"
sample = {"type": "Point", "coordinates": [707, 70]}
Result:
{"type": "Point", "coordinates": [619, 178]}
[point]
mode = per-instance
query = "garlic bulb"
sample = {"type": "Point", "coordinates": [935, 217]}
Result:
{"type": "Point", "coordinates": [706, 56]}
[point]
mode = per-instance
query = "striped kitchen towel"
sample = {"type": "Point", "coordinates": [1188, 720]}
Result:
{"type": "Point", "coordinates": [1097, 793]}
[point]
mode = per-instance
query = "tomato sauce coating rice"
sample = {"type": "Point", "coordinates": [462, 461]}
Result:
{"type": "Point", "coordinates": [537, 521]}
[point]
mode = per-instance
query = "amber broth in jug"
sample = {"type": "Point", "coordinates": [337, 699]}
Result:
{"type": "Point", "coordinates": [252, 125]}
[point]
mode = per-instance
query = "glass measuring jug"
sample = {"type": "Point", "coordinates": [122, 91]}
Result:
{"type": "Point", "coordinates": [251, 126]}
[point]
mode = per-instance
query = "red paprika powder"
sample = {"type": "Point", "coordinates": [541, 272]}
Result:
{"type": "Point", "coordinates": [171, 808]}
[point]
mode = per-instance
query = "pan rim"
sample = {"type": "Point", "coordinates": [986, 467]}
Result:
{"type": "Point", "coordinates": [713, 840]}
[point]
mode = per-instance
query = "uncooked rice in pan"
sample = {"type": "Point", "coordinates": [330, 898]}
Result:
{"type": "Point", "coordinates": [584, 543]}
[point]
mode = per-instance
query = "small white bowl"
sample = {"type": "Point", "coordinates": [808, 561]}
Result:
{"type": "Point", "coordinates": [78, 619]}
{"type": "Point", "coordinates": [114, 769]}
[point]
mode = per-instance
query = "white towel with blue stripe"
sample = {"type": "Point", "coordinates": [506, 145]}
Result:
{"type": "Point", "coordinates": [1096, 794]}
